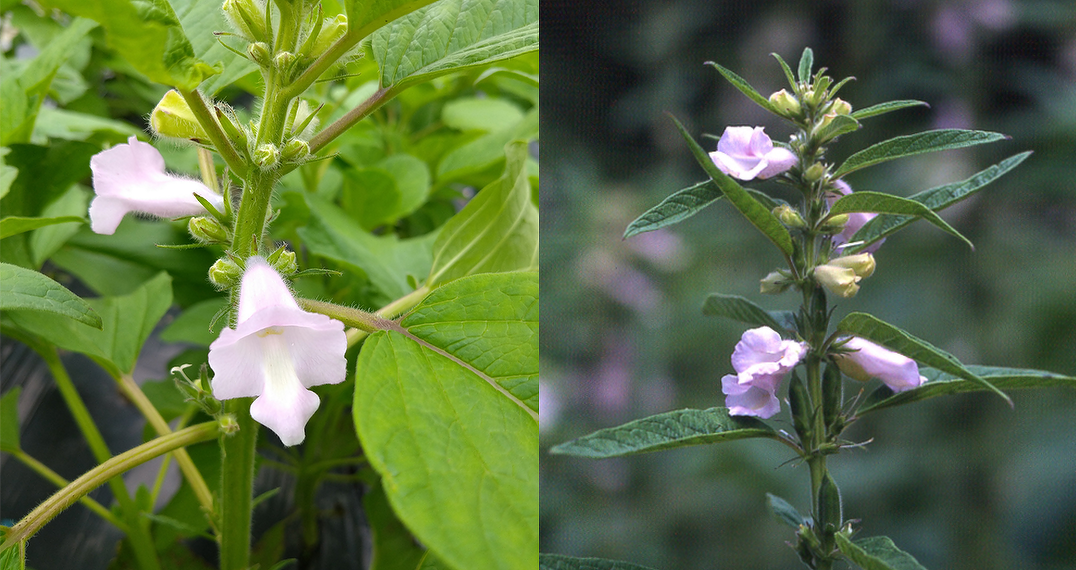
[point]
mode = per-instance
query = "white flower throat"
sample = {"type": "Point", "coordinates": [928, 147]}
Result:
{"type": "Point", "coordinates": [279, 369]}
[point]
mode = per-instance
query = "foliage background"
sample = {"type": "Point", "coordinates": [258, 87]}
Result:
{"type": "Point", "coordinates": [960, 482]}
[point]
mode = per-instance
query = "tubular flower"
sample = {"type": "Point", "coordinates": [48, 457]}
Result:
{"type": "Point", "coordinates": [856, 220]}
{"type": "Point", "coordinates": [868, 360]}
{"type": "Point", "coordinates": [747, 153]}
{"type": "Point", "coordinates": [131, 178]}
{"type": "Point", "coordinates": [276, 352]}
{"type": "Point", "coordinates": [841, 281]}
{"type": "Point", "coordinates": [761, 360]}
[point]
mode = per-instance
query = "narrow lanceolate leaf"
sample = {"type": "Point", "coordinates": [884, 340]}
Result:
{"type": "Point", "coordinates": [27, 290]}
{"type": "Point", "coordinates": [784, 511]}
{"type": "Point", "coordinates": [441, 408]}
{"type": "Point", "coordinates": [881, 203]}
{"type": "Point", "coordinates": [942, 384]}
{"type": "Point", "coordinates": [786, 69]}
{"type": "Point", "coordinates": [908, 145]}
{"type": "Point", "coordinates": [560, 562]}
{"type": "Point", "coordinates": [882, 108]}
{"type": "Point", "coordinates": [744, 87]}
{"type": "Point", "coordinates": [755, 212]}
{"type": "Point", "coordinates": [451, 35]}
{"type": "Point", "coordinates": [669, 430]}
{"type": "Point", "coordinates": [806, 65]}
{"type": "Point", "coordinates": [875, 330]}
{"type": "Point", "coordinates": [678, 207]}
{"type": "Point", "coordinates": [936, 199]}
{"type": "Point", "coordinates": [13, 225]}
{"type": "Point", "coordinates": [877, 553]}
{"type": "Point", "coordinates": [839, 125]}
{"type": "Point", "coordinates": [740, 309]}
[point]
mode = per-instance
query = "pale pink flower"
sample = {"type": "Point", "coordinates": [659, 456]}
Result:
{"type": "Point", "coordinates": [276, 352]}
{"type": "Point", "coordinates": [761, 360]}
{"type": "Point", "coordinates": [747, 153]}
{"type": "Point", "coordinates": [131, 178]}
{"type": "Point", "coordinates": [856, 220]}
{"type": "Point", "coordinates": [868, 360]}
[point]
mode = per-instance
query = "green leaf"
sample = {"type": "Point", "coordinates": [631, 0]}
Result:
{"type": "Point", "coordinates": [497, 230]}
{"type": "Point", "coordinates": [876, 553]}
{"type": "Point", "coordinates": [919, 143]}
{"type": "Point", "coordinates": [451, 35]}
{"type": "Point", "coordinates": [192, 325]}
{"type": "Point", "coordinates": [12, 225]}
{"type": "Point", "coordinates": [127, 323]}
{"type": "Point", "coordinates": [886, 107]}
{"type": "Point", "coordinates": [882, 203]}
{"type": "Point", "coordinates": [936, 199]}
{"type": "Point", "coordinates": [806, 65]}
{"type": "Point", "coordinates": [678, 207]}
{"type": "Point", "coordinates": [786, 70]}
{"type": "Point", "coordinates": [875, 330]}
{"type": "Point", "coordinates": [147, 34]}
{"type": "Point", "coordinates": [483, 114]}
{"type": "Point", "coordinates": [740, 309]}
{"type": "Point", "coordinates": [943, 384]}
{"type": "Point", "coordinates": [486, 151]}
{"type": "Point", "coordinates": [785, 512]}
{"type": "Point", "coordinates": [744, 87]}
{"type": "Point", "coordinates": [364, 17]}
{"type": "Point", "coordinates": [457, 454]}
{"type": "Point", "coordinates": [839, 125]}
{"type": "Point", "coordinates": [24, 289]}
{"type": "Point", "coordinates": [754, 211]}
{"type": "Point", "coordinates": [8, 173]}
{"type": "Point", "coordinates": [559, 562]}
{"type": "Point", "coordinates": [73, 126]}
{"type": "Point", "coordinates": [199, 19]}
{"type": "Point", "coordinates": [393, 546]}
{"type": "Point", "coordinates": [670, 430]}
{"type": "Point", "coordinates": [9, 421]}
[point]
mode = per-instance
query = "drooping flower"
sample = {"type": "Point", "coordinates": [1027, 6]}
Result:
{"type": "Point", "coordinates": [761, 360]}
{"type": "Point", "coordinates": [856, 220]}
{"type": "Point", "coordinates": [841, 281]}
{"type": "Point", "coordinates": [868, 360]}
{"type": "Point", "coordinates": [747, 153]}
{"type": "Point", "coordinates": [276, 352]}
{"type": "Point", "coordinates": [131, 178]}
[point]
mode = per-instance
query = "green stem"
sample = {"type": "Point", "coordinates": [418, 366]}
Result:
{"type": "Point", "coordinates": [237, 487]}
{"type": "Point", "coordinates": [329, 133]}
{"type": "Point", "coordinates": [106, 471]}
{"type": "Point", "coordinates": [322, 64]}
{"type": "Point", "coordinates": [367, 322]}
{"type": "Point", "coordinates": [390, 311]}
{"type": "Point", "coordinates": [209, 123]}
{"type": "Point", "coordinates": [55, 478]}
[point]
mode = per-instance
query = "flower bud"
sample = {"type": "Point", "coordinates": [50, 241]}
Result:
{"type": "Point", "coordinates": [841, 281]}
{"type": "Point", "coordinates": [840, 107]}
{"type": "Point", "coordinates": [225, 273]}
{"type": "Point", "coordinates": [785, 103]}
{"type": "Point", "coordinates": [283, 261]}
{"type": "Point", "coordinates": [266, 156]}
{"type": "Point", "coordinates": [283, 61]}
{"type": "Point", "coordinates": [789, 217]}
{"type": "Point", "coordinates": [259, 54]}
{"type": "Point", "coordinates": [815, 172]}
{"type": "Point", "coordinates": [295, 151]}
{"type": "Point", "coordinates": [774, 283]}
{"type": "Point", "coordinates": [173, 118]}
{"type": "Point", "coordinates": [834, 224]}
{"type": "Point", "coordinates": [247, 18]}
{"type": "Point", "coordinates": [861, 263]}
{"type": "Point", "coordinates": [207, 230]}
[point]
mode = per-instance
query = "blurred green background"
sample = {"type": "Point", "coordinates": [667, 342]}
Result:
{"type": "Point", "coordinates": [961, 482]}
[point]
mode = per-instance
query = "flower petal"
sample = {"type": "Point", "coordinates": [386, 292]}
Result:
{"type": "Point", "coordinates": [869, 360]}
{"type": "Point", "coordinates": [777, 161]}
{"type": "Point", "coordinates": [262, 288]}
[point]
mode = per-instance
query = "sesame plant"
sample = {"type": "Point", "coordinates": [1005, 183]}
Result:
{"type": "Point", "coordinates": [825, 351]}
{"type": "Point", "coordinates": [353, 266]}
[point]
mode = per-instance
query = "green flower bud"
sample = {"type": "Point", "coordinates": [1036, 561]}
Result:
{"type": "Point", "coordinates": [774, 283]}
{"type": "Point", "coordinates": [283, 61]}
{"type": "Point", "coordinates": [173, 118]}
{"type": "Point", "coordinates": [247, 18]}
{"type": "Point", "coordinates": [207, 230]}
{"type": "Point", "coordinates": [295, 151]}
{"type": "Point", "coordinates": [228, 424]}
{"type": "Point", "coordinates": [815, 172]}
{"type": "Point", "coordinates": [841, 281]}
{"type": "Point", "coordinates": [259, 54]}
{"type": "Point", "coordinates": [283, 261]}
{"type": "Point", "coordinates": [831, 395]}
{"type": "Point", "coordinates": [225, 273]}
{"type": "Point", "coordinates": [834, 224]}
{"type": "Point", "coordinates": [829, 506]}
{"type": "Point", "coordinates": [266, 156]}
{"type": "Point", "coordinates": [800, 407]}
{"type": "Point", "coordinates": [789, 217]}
{"type": "Point", "coordinates": [841, 107]}
{"type": "Point", "coordinates": [785, 103]}
{"type": "Point", "coordinates": [861, 263]}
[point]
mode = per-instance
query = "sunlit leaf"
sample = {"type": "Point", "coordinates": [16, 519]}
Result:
{"type": "Point", "coordinates": [909, 145]}
{"type": "Point", "coordinates": [24, 289]}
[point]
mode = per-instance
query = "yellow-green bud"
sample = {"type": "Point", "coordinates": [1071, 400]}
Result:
{"type": "Point", "coordinates": [841, 281]}
{"type": "Point", "coordinates": [331, 31]}
{"type": "Point", "coordinates": [295, 151]}
{"type": "Point", "coordinates": [815, 172]}
{"type": "Point", "coordinates": [225, 273]}
{"type": "Point", "coordinates": [789, 217]}
{"type": "Point", "coordinates": [207, 230]}
{"type": "Point", "coordinates": [861, 263]}
{"type": "Point", "coordinates": [841, 107]}
{"type": "Point", "coordinates": [248, 18]}
{"type": "Point", "coordinates": [283, 261]}
{"type": "Point", "coordinates": [283, 61]}
{"type": "Point", "coordinates": [834, 224]}
{"type": "Point", "coordinates": [774, 283]}
{"type": "Point", "coordinates": [266, 156]}
{"type": "Point", "coordinates": [259, 54]}
{"type": "Point", "coordinates": [173, 118]}
{"type": "Point", "coordinates": [785, 103]}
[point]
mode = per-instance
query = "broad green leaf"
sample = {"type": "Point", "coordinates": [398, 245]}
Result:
{"type": "Point", "coordinates": [412, 178]}
{"type": "Point", "coordinates": [147, 34]}
{"type": "Point", "coordinates": [886, 107]}
{"type": "Point", "coordinates": [497, 230]}
{"type": "Point", "coordinates": [393, 546]}
{"type": "Point", "coordinates": [740, 309]}
{"type": "Point", "coordinates": [12, 225]}
{"type": "Point", "coordinates": [451, 35]}
{"type": "Point", "coordinates": [8, 173]}
{"type": "Point", "coordinates": [199, 19]}
{"type": "Point", "coordinates": [881, 203]}
{"type": "Point", "coordinates": [370, 196]}
{"type": "Point", "coordinates": [678, 207]}
{"type": "Point", "coordinates": [935, 199]}
{"type": "Point", "coordinates": [755, 212]}
{"type": "Point", "coordinates": [127, 323]}
{"type": "Point", "coordinates": [875, 330]}
{"type": "Point", "coordinates": [486, 151]}
{"type": "Point", "coordinates": [806, 65]}
{"type": "Point", "coordinates": [24, 289]}
{"type": "Point", "coordinates": [919, 143]}
{"type": "Point", "coordinates": [9, 421]}
{"type": "Point", "coordinates": [876, 553]}
{"type": "Point", "coordinates": [483, 114]}
{"type": "Point", "coordinates": [457, 456]}
{"type": "Point", "coordinates": [784, 511]}
{"type": "Point", "coordinates": [744, 87]}
{"type": "Point", "coordinates": [560, 562]}
{"type": "Point", "coordinates": [669, 430]}
{"type": "Point", "coordinates": [942, 384]}
{"type": "Point", "coordinates": [192, 325]}
{"type": "Point", "coordinates": [364, 17]}
{"type": "Point", "coordinates": [386, 260]}
{"type": "Point", "coordinates": [73, 126]}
